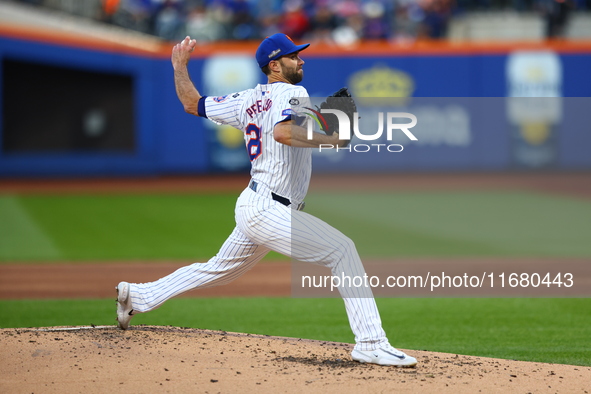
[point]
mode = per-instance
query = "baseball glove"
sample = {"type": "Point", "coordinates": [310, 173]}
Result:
{"type": "Point", "coordinates": [340, 100]}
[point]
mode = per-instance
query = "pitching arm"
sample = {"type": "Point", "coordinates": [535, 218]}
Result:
{"type": "Point", "coordinates": [185, 89]}
{"type": "Point", "coordinates": [291, 134]}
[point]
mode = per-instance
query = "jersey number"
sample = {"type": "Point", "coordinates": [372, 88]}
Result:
{"type": "Point", "coordinates": [253, 132]}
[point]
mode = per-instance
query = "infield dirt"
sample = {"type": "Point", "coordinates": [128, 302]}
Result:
{"type": "Point", "coordinates": [164, 359]}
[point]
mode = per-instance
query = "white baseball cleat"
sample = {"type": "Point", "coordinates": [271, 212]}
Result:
{"type": "Point", "coordinates": [124, 307]}
{"type": "Point", "coordinates": [384, 356]}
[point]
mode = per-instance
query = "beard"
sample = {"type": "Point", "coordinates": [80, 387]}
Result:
{"type": "Point", "coordinates": [291, 74]}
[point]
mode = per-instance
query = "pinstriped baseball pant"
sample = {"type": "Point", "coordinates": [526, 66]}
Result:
{"type": "Point", "coordinates": [262, 225]}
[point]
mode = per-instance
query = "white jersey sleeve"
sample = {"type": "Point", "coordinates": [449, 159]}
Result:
{"type": "Point", "coordinates": [223, 109]}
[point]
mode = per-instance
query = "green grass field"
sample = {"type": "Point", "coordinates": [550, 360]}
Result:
{"type": "Point", "coordinates": [448, 224]}
{"type": "Point", "coordinates": [435, 224]}
{"type": "Point", "coordinates": [113, 227]}
{"type": "Point", "coordinates": [192, 227]}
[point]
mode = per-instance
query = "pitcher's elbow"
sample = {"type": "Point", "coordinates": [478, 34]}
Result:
{"type": "Point", "coordinates": [282, 134]}
{"type": "Point", "coordinates": [191, 109]}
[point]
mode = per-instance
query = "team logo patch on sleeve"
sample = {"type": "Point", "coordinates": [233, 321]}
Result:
{"type": "Point", "coordinates": [220, 99]}
{"type": "Point", "coordinates": [287, 112]}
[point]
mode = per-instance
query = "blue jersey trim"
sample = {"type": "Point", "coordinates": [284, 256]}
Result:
{"type": "Point", "coordinates": [201, 107]}
{"type": "Point", "coordinates": [283, 120]}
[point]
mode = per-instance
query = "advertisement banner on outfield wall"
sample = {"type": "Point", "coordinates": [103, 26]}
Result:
{"type": "Point", "coordinates": [534, 123]}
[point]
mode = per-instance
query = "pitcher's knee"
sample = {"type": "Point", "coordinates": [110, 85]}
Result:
{"type": "Point", "coordinates": [349, 247]}
{"type": "Point", "coordinates": [344, 250]}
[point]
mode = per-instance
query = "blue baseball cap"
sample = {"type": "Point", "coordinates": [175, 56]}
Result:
{"type": "Point", "coordinates": [275, 46]}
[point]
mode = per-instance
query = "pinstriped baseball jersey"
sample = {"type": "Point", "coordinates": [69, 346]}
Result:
{"type": "Point", "coordinates": [283, 169]}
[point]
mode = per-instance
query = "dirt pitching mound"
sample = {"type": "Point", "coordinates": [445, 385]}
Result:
{"type": "Point", "coordinates": [168, 359]}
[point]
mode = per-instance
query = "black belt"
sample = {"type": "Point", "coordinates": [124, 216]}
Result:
{"type": "Point", "coordinates": [280, 199]}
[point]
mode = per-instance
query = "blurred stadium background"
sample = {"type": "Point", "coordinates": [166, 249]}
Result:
{"type": "Point", "coordinates": [87, 87]}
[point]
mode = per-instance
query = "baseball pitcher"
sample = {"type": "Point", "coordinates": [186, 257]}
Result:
{"type": "Point", "coordinates": [269, 212]}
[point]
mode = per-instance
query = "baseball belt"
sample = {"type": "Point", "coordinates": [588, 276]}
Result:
{"type": "Point", "coordinates": [280, 199]}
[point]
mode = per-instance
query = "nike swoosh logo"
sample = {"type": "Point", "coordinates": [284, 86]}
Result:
{"type": "Point", "coordinates": [131, 312]}
{"type": "Point", "coordinates": [394, 354]}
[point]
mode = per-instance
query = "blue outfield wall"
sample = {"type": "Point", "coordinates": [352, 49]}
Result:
{"type": "Point", "coordinates": [169, 141]}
